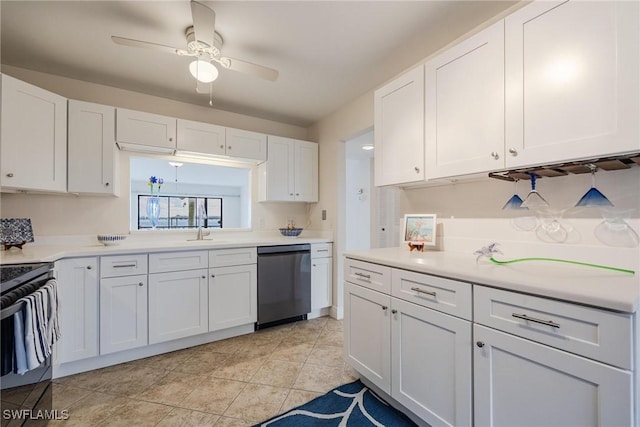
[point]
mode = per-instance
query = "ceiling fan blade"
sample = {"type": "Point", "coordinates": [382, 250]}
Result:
{"type": "Point", "coordinates": [204, 23]}
{"type": "Point", "coordinates": [250, 68]}
{"type": "Point", "coordinates": [147, 45]}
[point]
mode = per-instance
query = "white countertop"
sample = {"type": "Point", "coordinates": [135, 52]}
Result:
{"type": "Point", "coordinates": [53, 252]}
{"type": "Point", "coordinates": [585, 285]}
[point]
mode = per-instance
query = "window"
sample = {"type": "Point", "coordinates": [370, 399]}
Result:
{"type": "Point", "coordinates": [183, 212]}
{"type": "Point", "coordinates": [193, 195]}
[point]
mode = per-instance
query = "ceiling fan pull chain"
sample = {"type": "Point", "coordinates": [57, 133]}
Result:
{"type": "Point", "coordinates": [210, 94]}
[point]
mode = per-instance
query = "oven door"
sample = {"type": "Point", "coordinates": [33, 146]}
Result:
{"type": "Point", "coordinates": [26, 396]}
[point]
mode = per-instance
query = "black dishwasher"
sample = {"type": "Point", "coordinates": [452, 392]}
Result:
{"type": "Point", "coordinates": [284, 284]}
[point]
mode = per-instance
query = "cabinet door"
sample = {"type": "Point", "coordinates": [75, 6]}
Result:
{"type": "Point", "coordinates": [177, 305]}
{"type": "Point", "coordinates": [306, 171]}
{"type": "Point", "coordinates": [233, 296]}
{"type": "Point", "coordinates": [277, 174]}
{"type": "Point", "coordinates": [246, 144]}
{"type": "Point", "coordinates": [146, 130]}
{"type": "Point", "coordinates": [572, 81]}
{"type": "Point", "coordinates": [368, 334]}
{"type": "Point", "coordinates": [200, 138]}
{"type": "Point", "coordinates": [92, 148]}
{"type": "Point", "coordinates": [321, 283]}
{"type": "Point", "coordinates": [465, 110]}
{"type": "Point", "coordinates": [399, 130]}
{"type": "Point", "coordinates": [123, 313]}
{"type": "Point", "coordinates": [33, 150]}
{"type": "Point", "coordinates": [519, 382]}
{"type": "Point", "coordinates": [78, 314]}
{"type": "Point", "coordinates": [431, 364]}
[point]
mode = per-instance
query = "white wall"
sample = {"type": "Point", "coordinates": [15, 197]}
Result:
{"type": "Point", "coordinates": [53, 215]}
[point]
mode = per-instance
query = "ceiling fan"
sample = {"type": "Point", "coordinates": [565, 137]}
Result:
{"type": "Point", "coordinates": [204, 44]}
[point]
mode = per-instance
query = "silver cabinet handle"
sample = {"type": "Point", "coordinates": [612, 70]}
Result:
{"type": "Point", "coordinates": [314, 265]}
{"type": "Point", "coordinates": [513, 152]}
{"type": "Point", "coordinates": [394, 311]}
{"type": "Point", "coordinates": [297, 194]}
{"type": "Point", "coordinates": [140, 284]}
{"type": "Point", "coordinates": [106, 184]}
{"type": "Point", "coordinates": [384, 307]}
{"type": "Point", "coordinates": [10, 175]}
{"type": "Point", "coordinates": [534, 320]}
{"type": "Point", "coordinates": [170, 139]}
{"type": "Point", "coordinates": [222, 146]}
{"type": "Point", "coordinates": [495, 155]}
{"type": "Point", "coordinates": [204, 277]}
{"type": "Point", "coordinates": [417, 169]}
{"type": "Point", "coordinates": [123, 265]}
{"type": "Point", "coordinates": [228, 147]}
{"type": "Point", "coordinates": [89, 267]}
{"type": "Point", "coordinates": [480, 344]}
{"type": "Point", "coordinates": [422, 291]}
{"type": "Point", "coordinates": [213, 275]}
{"type": "Point", "coordinates": [322, 250]}
{"type": "Point", "coordinates": [364, 276]}
{"type": "Point", "coordinates": [291, 194]}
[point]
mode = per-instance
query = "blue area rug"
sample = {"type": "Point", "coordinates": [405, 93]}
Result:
{"type": "Point", "coordinates": [350, 404]}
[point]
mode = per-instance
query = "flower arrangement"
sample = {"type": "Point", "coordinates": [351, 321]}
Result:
{"type": "Point", "coordinates": [153, 181]}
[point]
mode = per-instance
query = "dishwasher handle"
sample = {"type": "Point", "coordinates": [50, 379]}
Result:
{"type": "Point", "coordinates": [278, 249]}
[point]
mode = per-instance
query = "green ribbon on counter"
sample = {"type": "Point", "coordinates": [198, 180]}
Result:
{"type": "Point", "coordinates": [586, 264]}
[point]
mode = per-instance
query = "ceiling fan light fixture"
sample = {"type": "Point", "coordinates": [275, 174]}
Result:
{"type": "Point", "coordinates": [203, 71]}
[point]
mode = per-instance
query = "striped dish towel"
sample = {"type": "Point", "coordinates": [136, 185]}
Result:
{"type": "Point", "coordinates": [36, 327]}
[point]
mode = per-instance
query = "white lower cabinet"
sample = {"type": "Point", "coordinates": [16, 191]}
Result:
{"type": "Point", "coordinates": [233, 296]}
{"type": "Point", "coordinates": [123, 313]}
{"type": "Point", "coordinates": [431, 364]}
{"type": "Point", "coordinates": [78, 289]}
{"type": "Point", "coordinates": [520, 382]}
{"type": "Point", "coordinates": [367, 332]}
{"type": "Point", "coordinates": [321, 276]}
{"type": "Point", "coordinates": [524, 360]}
{"type": "Point", "coordinates": [177, 305]}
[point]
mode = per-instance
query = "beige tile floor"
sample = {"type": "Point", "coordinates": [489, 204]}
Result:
{"type": "Point", "coordinates": [234, 382]}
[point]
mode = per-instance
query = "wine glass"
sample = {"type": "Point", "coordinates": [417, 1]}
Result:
{"type": "Point", "coordinates": [614, 230]}
{"type": "Point", "coordinates": [593, 197]}
{"type": "Point", "coordinates": [515, 202]}
{"type": "Point", "coordinates": [534, 200]}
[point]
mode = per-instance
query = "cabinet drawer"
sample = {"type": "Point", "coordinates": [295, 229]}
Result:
{"type": "Point", "coordinates": [178, 261]}
{"type": "Point", "coordinates": [590, 332]}
{"type": "Point", "coordinates": [228, 257]}
{"type": "Point", "coordinates": [449, 296]}
{"type": "Point", "coordinates": [321, 250]}
{"type": "Point", "coordinates": [373, 276]}
{"type": "Point", "coordinates": [123, 265]}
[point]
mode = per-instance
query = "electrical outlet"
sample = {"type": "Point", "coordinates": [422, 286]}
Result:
{"type": "Point", "coordinates": [324, 214]}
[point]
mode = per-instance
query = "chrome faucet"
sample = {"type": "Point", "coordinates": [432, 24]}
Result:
{"type": "Point", "coordinates": [202, 233]}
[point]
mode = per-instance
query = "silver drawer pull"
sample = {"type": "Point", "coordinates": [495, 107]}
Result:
{"type": "Point", "coordinates": [322, 250]}
{"type": "Point", "coordinates": [534, 320]}
{"type": "Point", "coordinates": [123, 265]}
{"type": "Point", "coordinates": [364, 276]}
{"type": "Point", "coordinates": [421, 291]}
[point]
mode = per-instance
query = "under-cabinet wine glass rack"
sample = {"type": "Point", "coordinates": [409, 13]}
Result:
{"type": "Point", "coordinates": [566, 168]}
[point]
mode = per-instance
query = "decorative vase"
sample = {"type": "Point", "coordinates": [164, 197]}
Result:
{"type": "Point", "coordinates": [153, 210]}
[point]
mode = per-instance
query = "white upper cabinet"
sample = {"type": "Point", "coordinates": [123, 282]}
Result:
{"type": "Point", "coordinates": [291, 172]}
{"type": "Point", "coordinates": [34, 138]}
{"type": "Point", "coordinates": [201, 138]}
{"type": "Point", "coordinates": [571, 81]}
{"type": "Point", "coordinates": [136, 130]}
{"type": "Point", "coordinates": [465, 106]}
{"type": "Point", "coordinates": [246, 144]}
{"type": "Point", "coordinates": [92, 149]}
{"type": "Point", "coordinates": [399, 130]}
{"type": "Point", "coordinates": [196, 138]}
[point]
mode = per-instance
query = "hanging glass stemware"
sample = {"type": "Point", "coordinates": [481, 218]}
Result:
{"type": "Point", "coordinates": [534, 200]}
{"type": "Point", "coordinates": [593, 197]}
{"type": "Point", "coordinates": [515, 202]}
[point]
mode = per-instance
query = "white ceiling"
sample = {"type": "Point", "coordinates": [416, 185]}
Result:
{"type": "Point", "coordinates": [327, 52]}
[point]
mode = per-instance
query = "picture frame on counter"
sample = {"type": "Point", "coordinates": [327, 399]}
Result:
{"type": "Point", "coordinates": [419, 229]}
